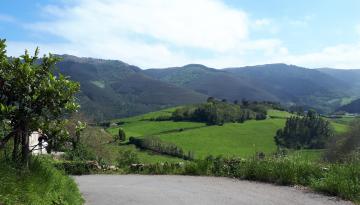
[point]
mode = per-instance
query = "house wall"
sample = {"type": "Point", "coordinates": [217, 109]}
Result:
{"type": "Point", "coordinates": [33, 141]}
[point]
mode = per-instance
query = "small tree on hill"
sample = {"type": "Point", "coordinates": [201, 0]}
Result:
{"type": "Point", "coordinates": [310, 131]}
{"type": "Point", "coordinates": [121, 135]}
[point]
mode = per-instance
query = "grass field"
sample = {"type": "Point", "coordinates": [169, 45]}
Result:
{"type": "Point", "coordinates": [231, 139]}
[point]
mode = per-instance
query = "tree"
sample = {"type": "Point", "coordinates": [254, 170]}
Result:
{"type": "Point", "coordinates": [121, 135]}
{"type": "Point", "coordinates": [310, 131]}
{"type": "Point", "coordinates": [32, 97]}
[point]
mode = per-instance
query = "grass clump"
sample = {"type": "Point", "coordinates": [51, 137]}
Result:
{"type": "Point", "coordinates": [342, 180]}
{"type": "Point", "coordinates": [41, 184]}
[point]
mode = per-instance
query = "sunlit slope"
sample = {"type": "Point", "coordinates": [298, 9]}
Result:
{"type": "Point", "coordinates": [231, 139]}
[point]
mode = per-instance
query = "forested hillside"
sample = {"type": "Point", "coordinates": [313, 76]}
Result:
{"type": "Point", "coordinates": [112, 89]}
{"type": "Point", "coordinates": [212, 82]}
{"type": "Point", "coordinates": [353, 107]}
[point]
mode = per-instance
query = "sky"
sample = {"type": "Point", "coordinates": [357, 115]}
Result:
{"type": "Point", "coordinates": [167, 33]}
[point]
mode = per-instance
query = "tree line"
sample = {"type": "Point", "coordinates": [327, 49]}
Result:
{"type": "Point", "coordinates": [157, 145]}
{"type": "Point", "coordinates": [218, 112]}
{"type": "Point", "coordinates": [310, 131]}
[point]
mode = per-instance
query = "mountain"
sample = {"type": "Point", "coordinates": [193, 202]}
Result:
{"type": "Point", "coordinates": [351, 76]}
{"type": "Point", "coordinates": [211, 82]}
{"type": "Point", "coordinates": [293, 84]}
{"type": "Point", "coordinates": [353, 107]}
{"type": "Point", "coordinates": [113, 89]}
{"type": "Point", "coordinates": [288, 84]}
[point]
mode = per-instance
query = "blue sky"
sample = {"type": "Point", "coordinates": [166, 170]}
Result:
{"type": "Point", "coordinates": [162, 33]}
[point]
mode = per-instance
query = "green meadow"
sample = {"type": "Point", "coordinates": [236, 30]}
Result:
{"type": "Point", "coordinates": [231, 139]}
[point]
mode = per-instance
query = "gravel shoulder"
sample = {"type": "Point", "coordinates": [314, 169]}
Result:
{"type": "Point", "coordinates": [164, 190]}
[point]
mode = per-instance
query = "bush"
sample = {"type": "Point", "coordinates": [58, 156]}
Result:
{"type": "Point", "coordinates": [345, 147]}
{"type": "Point", "coordinates": [42, 184]}
{"type": "Point", "coordinates": [216, 113]}
{"type": "Point", "coordinates": [121, 135]}
{"type": "Point", "coordinates": [76, 167]}
{"type": "Point", "coordinates": [157, 145]}
{"type": "Point", "coordinates": [309, 132]}
{"type": "Point", "coordinates": [342, 180]}
{"type": "Point", "coordinates": [81, 153]}
{"type": "Point", "coordinates": [161, 118]}
{"type": "Point", "coordinates": [127, 158]}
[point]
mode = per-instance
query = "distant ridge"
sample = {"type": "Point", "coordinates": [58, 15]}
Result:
{"type": "Point", "coordinates": [113, 89]}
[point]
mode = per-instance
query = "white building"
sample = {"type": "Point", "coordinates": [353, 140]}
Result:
{"type": "Point", "coordinates": [36, 146]}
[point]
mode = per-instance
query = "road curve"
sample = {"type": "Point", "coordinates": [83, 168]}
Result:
{"type": "Point", "coordinates": [166, 190]}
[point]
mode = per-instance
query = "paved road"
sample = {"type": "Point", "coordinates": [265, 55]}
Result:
{"type": "Point", "coordinates": [168, 190]}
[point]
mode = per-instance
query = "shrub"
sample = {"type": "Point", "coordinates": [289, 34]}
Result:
{"type": "Point", "coordinates": [310, 131]}
{"type": "Point", "coordinates": [342, 180]}
{"type": "Point", "coordinates": [126, 158]}
{"type": "Point", "coordinates": [345, 147]}
{"type": "Point", "coordinates": [76, 167]}
{"type": "Point", "coordinates": [81, 153]}
{"type": "Point", "coordinates": [121, 135]}
{"type": "Point", "coordinates": [42, 184]}
{"type": "Point", "coordinates": [161, 118]}
{"type": "Point", "coordinates": [157, 145]}
{"type": "Point", "coordinates": [216, 113]}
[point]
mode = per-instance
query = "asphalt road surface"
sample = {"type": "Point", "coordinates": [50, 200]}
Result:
{"type": "Point", "coordinates": [168, 190]}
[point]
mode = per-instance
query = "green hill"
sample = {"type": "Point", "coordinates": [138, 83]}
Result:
{"type": "Point", "coordinates": [113, 89]}
{"type": "Point", "coordinates": [283, 83]}
{"type": "Point", "coordinates": [353, 107]}
{"type": "Point", "coordinates": [231, 139]}
{"type": "Point", "coordinates": [211, 82]}
{"type": "Point", "coordinates": [295, 84]}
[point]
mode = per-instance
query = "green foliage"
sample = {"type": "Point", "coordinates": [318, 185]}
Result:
{"type": "Point", "coordinates": [41, 184]}
{"type": "Point", "coordinates": [113, 89]}
{"type": "Point", "coordinates": [214, 112]}
{"type": "Point", "coordinates": [121, 135]}
{"type": "Point", "coordinates": [75, 167]}
{"type": "Point", "coordinates": [80, 153]}
{"type": "Point", "coordinates": [342, 180]}
{"type": "Point", "coordinates": [231, 139]}
{"type": "Point", "coordinates": [97, 140]}
{"type": "Point", "coordinates": [345, 146]}
{"type": "Point", "coordinates": [310, 131]}
{"type": "Point", "coordinates": [32, 97]}
{"type": "Point", "coordinates": [126, 158]}
{"type": "Point", "coordinates": [156, 145]}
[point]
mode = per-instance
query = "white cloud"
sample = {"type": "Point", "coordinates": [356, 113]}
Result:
{"type": "Point", "coordinates": [148, 33]}
{"type": "Point", "coordinates": [163, 33]}
{"type": "Point", "coordinates": [207, 24]}
{"type": "Point", "coordinates": [343, 56]}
